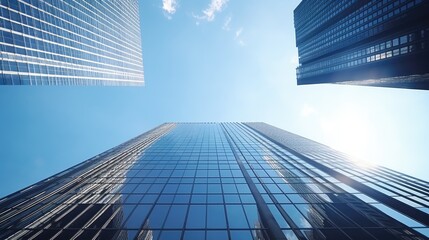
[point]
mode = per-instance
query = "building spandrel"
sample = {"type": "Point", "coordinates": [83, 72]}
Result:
{"type": "Point", "coordinates": [381, 43]}
{"type": "Point", "coordinates": [81, 42]}
{"type": "Point", "coordinates": [219, 181]}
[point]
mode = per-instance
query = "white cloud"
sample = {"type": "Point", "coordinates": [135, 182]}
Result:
{"type": "Point", "coordinates": [227, 24]}
{"type": "Point", "coordinates": [169, 7]}
{"type": "Point", "coordinates": [214, 7]}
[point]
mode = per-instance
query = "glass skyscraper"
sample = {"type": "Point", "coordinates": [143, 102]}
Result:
{"type": "Point", "coordinates": [72, 42]}
{"type": "Point", "coordinates": [363, 42]}
{"type": "Point", "coordinates": [219, 181]}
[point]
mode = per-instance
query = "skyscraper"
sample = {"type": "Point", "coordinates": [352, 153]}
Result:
{"type": "Point", "coordinates": [70, 42]}
{"type": "Point", "coordinates": [363, 42]}
{"type": "Point", "coordinates": [219, 181]}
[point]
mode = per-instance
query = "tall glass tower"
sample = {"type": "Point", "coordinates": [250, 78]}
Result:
{"type": "Point", "coordinates": [80, 42]}
{"type": "Point", "coordinates": [219, 181]}
{"type": "Point", "coordinates": [363, 42]}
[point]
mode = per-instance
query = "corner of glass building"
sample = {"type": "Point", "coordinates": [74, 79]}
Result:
{"type": "Point", "coordinates": [369, 43]}
{"type": "Point", "coordinates": [70, 43]}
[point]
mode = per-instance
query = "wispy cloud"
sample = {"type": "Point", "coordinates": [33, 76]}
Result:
{"type": "Point", "coordinates": [238, 33]}
{"type": "Point", "coordinates": [227, 24]}
{"type": "Point", "coordinates": [169, 7]}
{"type": "Point", "coordinates": [210, 12]}
{"type": "Point", "coordinates": [238, 37]}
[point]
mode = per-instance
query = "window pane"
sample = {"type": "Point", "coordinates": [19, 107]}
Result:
{"type": "Point", "coordinates": [236, 217]}
{"type": "Point", "coordinates": [157, 216]}
{"type": "Point", "coordinates": [137, 217]}
{"type": "Point", "coordinates": [194, 235]}
{"type": "Point", "coordinates": [241, 235]}
{"type": "Point", "coordinates": [196, 216]}
{"type": "Point", "coordinates": [170, 235]}
{"type": "Point", "coordinates": [296, 216]}
{"type": "Point", "coordinates": [176, 216]}
{"type": "Point", "coordinates": [216, 216]}
{"type": "Point", "coordinates": [217, 235]}
{"type": "Point", "coordinates": [252, 215]}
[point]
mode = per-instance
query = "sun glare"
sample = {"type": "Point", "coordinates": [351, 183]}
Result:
{"type": "Point", "coordinates": [348, 130]}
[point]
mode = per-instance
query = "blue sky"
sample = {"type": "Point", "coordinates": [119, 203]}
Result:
{"type": "Point", "coordinates": [209, 60]}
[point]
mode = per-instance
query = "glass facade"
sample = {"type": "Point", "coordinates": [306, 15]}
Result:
{"type": "Point", "coordinates": [80, 42]}
{"type": "Point", "coordinates": [361, 41]}
{"type": "Point", "coordinates": [219, 181]}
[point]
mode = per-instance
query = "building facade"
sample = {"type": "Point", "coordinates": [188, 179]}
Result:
{"type": "Point", "coordinates": [78, 42]}
{"type": "Point", "coordinates": [219, 181]}
{"type": "Point", "coordinates": [363, 42]}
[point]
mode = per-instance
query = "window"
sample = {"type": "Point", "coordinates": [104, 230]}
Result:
{"type": "Point", "coordinates": [404, 39]}
{"type": "Point", "coordinates": [395, 42]}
